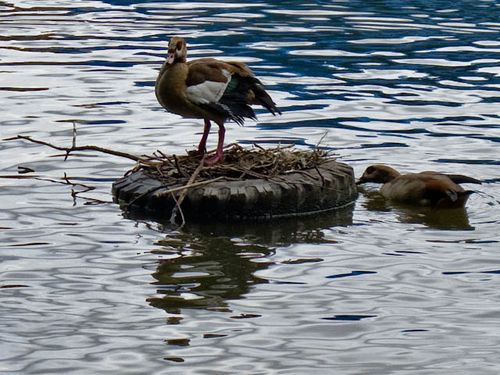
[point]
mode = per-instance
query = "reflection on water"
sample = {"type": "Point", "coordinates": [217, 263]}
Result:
{"type": "Point", "coordinates": [278, 232]}
{"type": "Point", "coordinates": [378, 289]}
{"type": "Point", "coordinates": [206, 271]}
{"type": "Point", "coordinates": [208, 264]}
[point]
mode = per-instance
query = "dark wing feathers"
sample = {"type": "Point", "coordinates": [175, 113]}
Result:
{"type": "Point", "coordinates": [223, 111]}
{"type": "Point", "coordinates": [233, 103]}
{"type": "Point", "coordinates": [242, 90]}
{"type": "Point", "coordinates": [236, 94]}
{"type": "Point", "coordinates": [461, 179]}
{"type": "Point", "coordinates": [456, 178]}
{"type": "Point", "coordinates": [263, 98]}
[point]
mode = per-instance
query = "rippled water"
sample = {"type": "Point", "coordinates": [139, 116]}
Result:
{"type": "Point", "coordinates": [373, 289]}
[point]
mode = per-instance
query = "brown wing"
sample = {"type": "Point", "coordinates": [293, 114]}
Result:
{"type": "Point", "coordinates": [456, 178]}
{"type": "Point", "coordinates": [425, 189]}
{"type": "Point", "coordinates": [208, 69]}
{"type": "Point", "coordinates": [203, 70]}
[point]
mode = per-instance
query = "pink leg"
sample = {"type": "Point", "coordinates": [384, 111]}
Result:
{"type": "Point", "coordinates": [202, 147]}
{"type": "Point", "coordinates": [219, 153]}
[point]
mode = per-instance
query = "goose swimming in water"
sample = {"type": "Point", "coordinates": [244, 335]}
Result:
{"type": "Point", "coordinates": [427, 188]}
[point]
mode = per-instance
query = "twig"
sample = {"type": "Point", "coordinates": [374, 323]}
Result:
{"type": "Point", "coordinates": [259, 147]}
{"type": "Point", "coordinates": [158, 169]}
{"type": "Point", "coordinates": [230, 145]}
{"type": "Point", "coordinates": [185, 190]}
{"type": "Point", "coordinates": [140, 196]}
{"type": "Point", "coordinates": [74, 135]}
{"type": "Point", "coordinates": [74, 194]}
{"type": "Point", "coordinates": [23, 170]}
{"type": "Point", "coordinates": [247, 171]}
{"type": "Point", "coordinates": [180, 211]}
{"type": "Point", "coordinates": [321, 140]}
{"type": "Point", "coordinates": [320, 175]}
{"type": "Point", "coordinates": [189, 186]}
{"type": "Point", "coordinates": [68, 182]}
{"type": "Point", "coordinates": [162, 154]}
{"type": "Point", "coordinates": [92, 201]}
{"type": "Point", "coordinates": [301, 172]}
{"type": "Point", "coordinates": [178, 167]}
{"type": "Point", "coordinates": [73, 144]}
{"type": "Point", "coordinates": [19, 177]}
{"type": "Point", "coordinates": [77, 148]}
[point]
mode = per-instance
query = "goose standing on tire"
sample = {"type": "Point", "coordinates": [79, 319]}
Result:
{"type": "Point", "coordinates": [211, 90]}
{"type": "Point", "coordinates": [421, 189]}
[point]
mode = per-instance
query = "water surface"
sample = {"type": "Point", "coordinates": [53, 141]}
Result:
{"type": "Point", "coordinates": [373, 289]}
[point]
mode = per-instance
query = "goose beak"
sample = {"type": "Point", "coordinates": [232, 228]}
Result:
{"type": "Point", "coordinates": [170, 58]}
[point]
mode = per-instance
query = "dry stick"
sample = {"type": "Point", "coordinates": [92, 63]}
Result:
{"type": "Point", "coordinates": [19, 177]}
{"type": "Point", "coordinates": [178, 167]}
{"type": "Point", "coordinates": [320, 175]}
{"type": "Point", "coordinates": [77, 148]}
{"type": "Point", "coordinates": [321, 140]}
{"type": "Point", "coordinates": [158, 169]}
{"type": "Point", "coordinates": [185, 191]}
{"type": "Point", "coordinates": [64, 180]}
{"type": "Point", "coordinates": [180, 210]}
{"type": "Point", "coordinates": [162, 154]}
{"type": "Point", "coordinates": [225, 147]}
{"type": "Point", "coordinates": [189, 186]}
{"type": "Point", "coordinates": [140, 196]}
{"type": "Point", "coordinates": [68, 182]}
{"type": "Point", "coordinates": [248, 172]}
{"type": "Point", "coordinates": [301, 172]}
{"type": "Point", "coordinates": [74, 194]}
{"type": "Point", "coordinates": [259, 147]}
{"type": "Point", "coordinates": [73, 144]}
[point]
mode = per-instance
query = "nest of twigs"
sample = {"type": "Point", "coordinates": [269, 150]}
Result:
{"type": "Point", "coordinates": [239, 164]}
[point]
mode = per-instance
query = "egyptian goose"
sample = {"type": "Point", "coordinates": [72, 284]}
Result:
{"type": "Point", "coordinates": [422, 189]}
{"type": "Point", "coordinates": [209, 89]}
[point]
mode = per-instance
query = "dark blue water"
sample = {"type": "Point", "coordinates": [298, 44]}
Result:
{"type": "Point", "coordinates": [372, 289]}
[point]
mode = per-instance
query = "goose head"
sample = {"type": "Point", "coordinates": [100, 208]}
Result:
{"type": "Point", "coordinates": [177, 50]}
{"type": "Point", "coordinates": [379, 173]}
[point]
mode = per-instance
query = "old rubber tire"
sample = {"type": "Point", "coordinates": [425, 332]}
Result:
{"type": "Point", "coordinates": [306, 192]}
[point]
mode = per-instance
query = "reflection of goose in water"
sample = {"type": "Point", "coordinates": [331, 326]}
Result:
{"type": "Point", "coordinates": [427, 189]}
{"type": "Point", "coordinates": [214, 262]}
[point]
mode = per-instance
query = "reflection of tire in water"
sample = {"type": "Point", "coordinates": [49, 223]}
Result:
{"type": "Point", "coordinates": [326, 187]}
{"type": "Point", "coordinates": [210, 271]}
